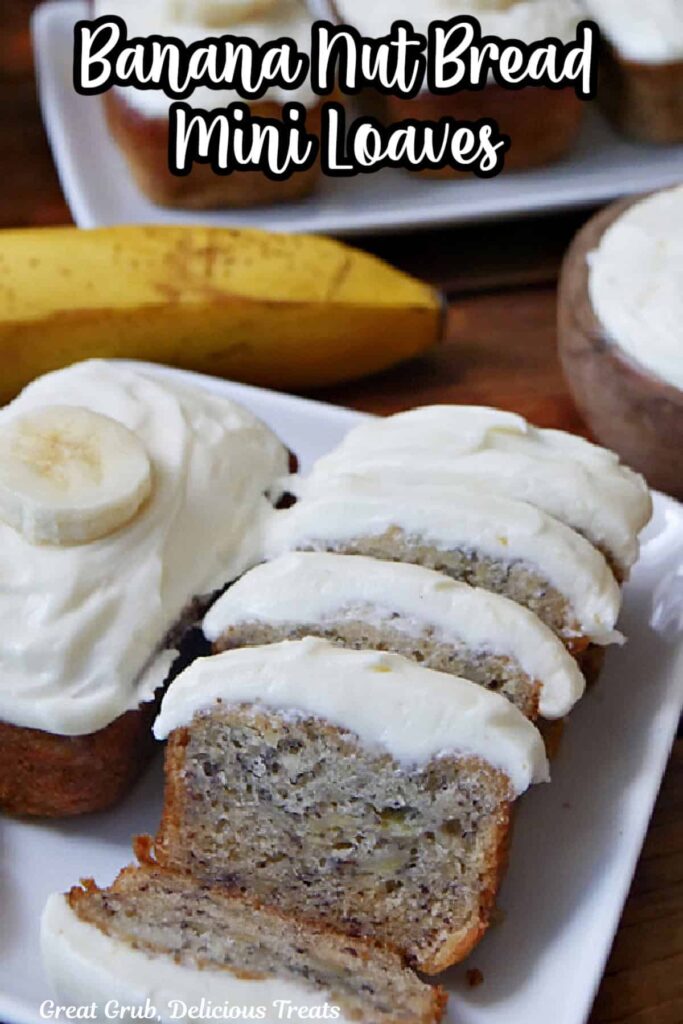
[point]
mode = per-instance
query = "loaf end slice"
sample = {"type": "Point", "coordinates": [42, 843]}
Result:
{"type": "Point", "coordinates": [190, 939]}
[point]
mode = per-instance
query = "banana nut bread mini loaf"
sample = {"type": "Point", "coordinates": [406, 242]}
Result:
{"type": "Point", "coordinates": [158, 936]}
{"type": "Point", "coordinates": [126, 500]}
{"type": "Point", "coordinates": [364, 603]}
{"type": "Point", "coordinates": [542, 123]}
{"type": "Point", "coordinates": [138, 119]}
{"type": "Point", "coordinates": [353, 788]}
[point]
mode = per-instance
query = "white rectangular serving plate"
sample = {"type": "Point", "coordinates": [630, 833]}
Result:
{"type": "Point", "coordinates": [101, 192]}
{"type": "Point", "coordinates": [576, 842]}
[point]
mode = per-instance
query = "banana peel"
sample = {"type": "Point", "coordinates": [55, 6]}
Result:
{"type": "Point", "coordinates": [290, 312]}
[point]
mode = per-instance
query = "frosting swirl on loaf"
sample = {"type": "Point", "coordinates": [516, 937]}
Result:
{"type": "Point", "coordinates": [81, 622]}
{"type": "Point", "coordinates": [311, 587]}
{"type": "Point", "coordinates": [413, 713]}
{"type": "Point", "coordinates": [573, 480]}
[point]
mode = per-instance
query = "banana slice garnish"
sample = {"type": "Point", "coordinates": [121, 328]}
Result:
{"type": "Point", "coordinates": [69, 475]}
{"type": "Point", "coordinates": [220, 13]}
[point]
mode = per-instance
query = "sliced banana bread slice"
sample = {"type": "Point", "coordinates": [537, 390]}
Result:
{"type": "Point", "coordinates": [501, 545]}
{"type": "Point", "coordinates": [577, 482]}
{"type": "Point", "coordinates": [364, 603]}
{"type": "Point", "coordinates": [161, 936]}
{"type": "Point", "coordinates": [350, 787]}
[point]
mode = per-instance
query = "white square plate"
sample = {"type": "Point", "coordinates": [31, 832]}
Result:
{"type": "Point", "coordinates": [576, 842]}
{"type": "Point", "coordinates": [101, 192]}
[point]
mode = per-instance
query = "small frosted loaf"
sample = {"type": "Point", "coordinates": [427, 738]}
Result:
{"type": "Point", "coordinates": [99, 590]}
{"type": "Point", "coordinates": [364, 603]}
{"type": "Point", "coordinates": [138, 119]}
{"type": "Point", "coordinates": [347, 787]}
{"type": "Point", "coordinates": [543, 123]}
{"type": "Point", "coordinates": [641, 77]}
{"type": "Point", "coordinates": [580, 484]}
{"type": "Point", "coordinates": [488, 541]}
{"type": "Point", "coordinates": [161, 936]}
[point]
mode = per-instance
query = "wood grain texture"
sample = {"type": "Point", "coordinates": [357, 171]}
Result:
{"type": "Point", "coordinates": [500, 349]}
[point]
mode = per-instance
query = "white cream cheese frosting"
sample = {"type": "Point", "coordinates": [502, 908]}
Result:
{"type": "Point", "coordinates": [81, 623]}
{"type": "Point", "coordinates": [643, 31]}
{"type": "Point", "coordinates": [315, 588]}
{"type": "Point", "coordinates": [528, 20]}
{"type": "Point", "coordinates": [85, 966]}
{"type": "Point", "coordinates": [473, 520]}
{"type": "Point", "coordinates": [573, 480]}
{"type": "Point", "coordinates": [636, 283]}
{"type": "Point", "coordinates": [290, 19]}
{"type": "Point", "coordinates": [388, 702]}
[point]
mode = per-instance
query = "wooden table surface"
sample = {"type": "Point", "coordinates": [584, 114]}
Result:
{"type": "Point", "coordinates": [501, 350]}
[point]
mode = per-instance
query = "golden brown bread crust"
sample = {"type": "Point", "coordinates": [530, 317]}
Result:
{"type": "Point", "coordinates": [460, 943]}
{"type": "Point", "coordinates": [644, 101]}
{"type": "Point", "coordinates": [553, 734]}
{"type": "Point", "coordinates": [627, 409]}
{"type": "Point", "coordinates": [591, 662]}
{"type": "Point", "coordinates": [542, 123]}
{"type": "Point", "coordinates": [50, 776]}
{"type": "Point", "coordinates": [144, 143]}
{"type": "Point", "coordinates": [171, 814]}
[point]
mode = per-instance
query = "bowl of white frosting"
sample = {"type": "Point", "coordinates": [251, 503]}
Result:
{"type": "Point", "coordinates": [621, 332]}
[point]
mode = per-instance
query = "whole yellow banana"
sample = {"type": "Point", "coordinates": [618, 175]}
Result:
{"type": "Point", "coordinates": [282, 311]}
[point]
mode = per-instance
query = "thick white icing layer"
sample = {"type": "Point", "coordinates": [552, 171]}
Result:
{"type": "Point", "coordinates": [473, 519]}
{"type": "Point", "coordinates": [390, 703]}
{"type": "Point", "coordinates": [81, 623]}
{"type": "Point", "coordinates": [85, 966]}
{"type": "Point", "coordinates": [577, 482]}
{"type": "Point", "coordinates": [527, 20]}
{"type": "Point", "coordinates": [291, 19]}
{"type": "Point", "coordinates": [636, 283]}
{"type": "Point", "coordinates": [315, 588]}
{"type": "Point", "coordinates": [644, 31]}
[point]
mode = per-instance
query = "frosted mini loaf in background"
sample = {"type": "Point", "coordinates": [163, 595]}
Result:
{"type": "Point", "coordinates": [447, 446]}
{"type": "Point", "coordinates": [365, 603]}
{"type": "Point", "coordinates": [621, 308]}
{"type": "Point", "coordinates": [376, 777]}
{"type": "Point", "coordinates": [138, 118]}
{"type": "Point", "coordinates": [542, 123]}
{"type": "Point", "coordinates": [641, 83]}
{"type": "Point", "coordinates": [89, 627]}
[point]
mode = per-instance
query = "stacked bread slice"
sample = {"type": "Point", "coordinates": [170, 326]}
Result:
{"type": "Point", "coordinates": [158, 936]}
{"type": "Point", "coordinates": [341, 772]}
{"type": "Point", "coordinates": [370, 604]}
{"type": "Point", "coordinates": [541, 517]}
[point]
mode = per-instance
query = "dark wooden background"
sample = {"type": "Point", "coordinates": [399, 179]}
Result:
{"type": "Point", "coordinates": [501, 350]}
